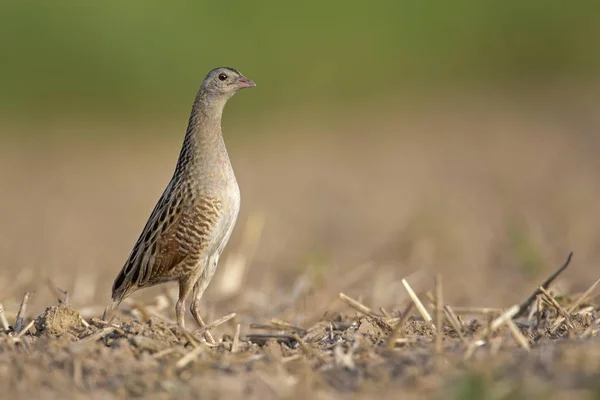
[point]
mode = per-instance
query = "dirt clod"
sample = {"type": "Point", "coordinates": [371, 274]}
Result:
{"type": "Point", "coordinates": [58, 320]}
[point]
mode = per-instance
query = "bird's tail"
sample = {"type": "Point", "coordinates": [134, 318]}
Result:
{"type": "Point", "coordinates": [122, 287]}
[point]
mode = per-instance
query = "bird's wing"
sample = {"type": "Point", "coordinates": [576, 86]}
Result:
{"type": "Point", "coordinates": [173, 232]}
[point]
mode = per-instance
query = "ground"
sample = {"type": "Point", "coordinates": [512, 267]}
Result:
{"type": "Point", "coordinates": [489, 199]}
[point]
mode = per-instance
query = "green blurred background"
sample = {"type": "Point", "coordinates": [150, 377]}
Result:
{"type": "Point", "coordinates": [148, 57]}
{"type": "Point", "coordinates": [453, 135]}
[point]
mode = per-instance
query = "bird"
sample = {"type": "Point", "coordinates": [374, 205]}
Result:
{"type": "Point", "coordinates": [193, 220]}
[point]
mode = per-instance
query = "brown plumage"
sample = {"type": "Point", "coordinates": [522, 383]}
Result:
{"type": "Point", "coordinates": [193, 220]}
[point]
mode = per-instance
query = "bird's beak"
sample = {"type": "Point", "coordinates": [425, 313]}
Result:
{"type": "Point", "coordinates": [244, 82]}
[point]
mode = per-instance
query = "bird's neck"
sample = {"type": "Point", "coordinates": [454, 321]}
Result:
{"type": "Point", "coordinates": [203, 147]}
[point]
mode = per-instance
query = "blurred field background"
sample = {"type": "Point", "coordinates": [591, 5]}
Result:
{"type": "Point", "coordinates": [453, 136]}
{"type": "Point", "coordinates": [460, 137]}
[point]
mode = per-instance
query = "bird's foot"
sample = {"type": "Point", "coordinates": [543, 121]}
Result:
{"type": "Point", "coordinates": [207, 335]}
{"type": "Point", "coordinates": [187, 335]}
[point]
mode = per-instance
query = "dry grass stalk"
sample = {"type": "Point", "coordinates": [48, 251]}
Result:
{"type": "Point", "coordinates": [346, 280]}
{"type": "Point", "coordinates": [397, 331]}
{"type": "Point", "coordinates": [430, 298]}
{"type": "Point", "coordinates": [266, 327]}
{"type": "Point", "coordinates": [3, 320]}
{"type": "Point", "coordinates": [102, 321]}
{"type": "Point", "coordinates": [438, 314]}
{"type": "Point", "coordinates": [24, 330]}
{"type": "Point", "coordinates": [538, 311]}
{"type": "Point", "coordinates": [574, 307]}
{"type": "Point", "coordinates": [84, 322]}
{"type": "Point", "coordinates": [583, 297]}
{"type": "Point", "coordinates": [358, 306]}
{"type": "Point", "coordinates": [235, 345]}
{"type": "Point", "coordinates": [493, 326]}
{"type": "Point", "coordinates": [525, 305]}
{"type": "Point", "coordinates": [21, 313]}
{"type": "Point", "coordinates": [586, 310]}
{"type": "Point", "coordinates": [472, 347]}
{"type": "Point", "coordinates": [308, 351]}
{"type": "Point", "coordinates": [501, 320]}
{"type": "Point", "coordinates": [519, 337]}
{"type": "Point", "coordinates": [259, 338]}
{"type": "Point", "coordinates": [477, 310]}
{"type": "Point", "coordinates": [98, 335]}
{"type": "Point", "coordinates": [286, 325]}
{"type": "Point", "coordinates": [560, 309]}
{"type": "Point", "coordinates": [108, 311]}
{"type": "Point", "coordinates": [215, 323]}
{"type": "Point", "coordinates": [420, 307]}
{"type": "Point", "coordinates": [189, 357]}
{"type": "Point", "coordinates": [454, 321]}
{"type": "Point", "coordinates": [385, 313]}
{"type": "Point", "coordinates": [590, 297]}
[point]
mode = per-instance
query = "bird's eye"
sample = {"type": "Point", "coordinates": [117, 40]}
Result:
{"type": "Point", "coordinates": [222, 77]}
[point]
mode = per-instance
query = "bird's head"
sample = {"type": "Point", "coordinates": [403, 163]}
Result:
{"type": "Point", "coordinates": [225, 82]}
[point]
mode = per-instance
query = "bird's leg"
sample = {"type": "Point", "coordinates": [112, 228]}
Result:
{"type": "Point", "coordinates": [180, 312]}
{"type": "Point", "coordinates": [199, 288]}
{"type": "Point", "coordinates": [185, 287]}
